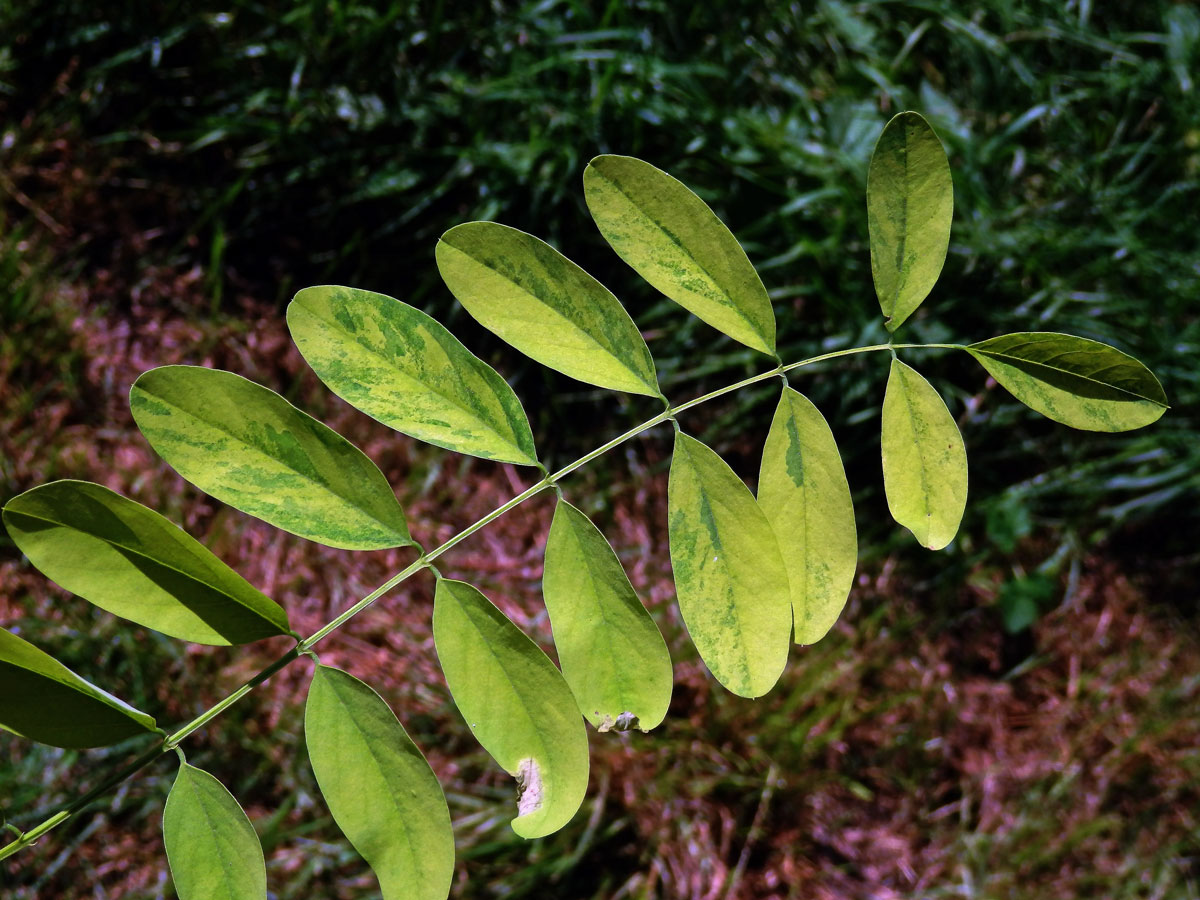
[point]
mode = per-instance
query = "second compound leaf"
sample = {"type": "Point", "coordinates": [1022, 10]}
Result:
{"type": "Point", "coordinates": [248, 447]}
{"type": "Point", "coordinates": [129, 560]}
{"type": "Point", "coordinates": [528, 294]}
{"type": "Point", "coordinates": [404, 368]}
{"type": "Point", "coordinates": [1079, 382]}
{"type": "Point", "coordinates": [211, 846]}
{"type": "Point", "coordinates": [924, 459]}
{"type": "Point", "coordinates": [516, 703]}
{"type": "Point", "coordinates": [729, 575]}
{"type": "Point", "coordinates": [379, 787]}
{"type": "Point", "coordinates": [802, 489]}
{"type": "Point", "coordinates": [612, 654]}
{"type": "Point", "coordinates": [43, 700]}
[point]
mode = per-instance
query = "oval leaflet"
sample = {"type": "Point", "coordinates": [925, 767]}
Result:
{"type": "Point", "coordinates": [211, 846]}
{"type": "Point", "coordinates": [46, 702]}
{"type": "Point", "coordinates": [674, 240]}
{"type": "Point", "coordinates": [131, 561]}
{"type": "Point", "coordinates": [379, 787]}
{"type": "Point", "coordinates": [910, 203]}
{"type": "Point", "coordinates": [612, 654]}
{"type": "Point", "coordinates": [531, 296]}
{"type": "Point", "coordinates": [248, 447]}
{"type": "Point", "coordinates": [803, 492]}
{"type": "Point", "coordinates": [404, 368]}
{"type": "Point", "coordinates": [924, 459]}
{"type": "Point", "coordinates": [516, 703]}
{"type": "Point", "coordinates": [1081, 383]}
{"type": "Point", "coordinates": [729, 576]}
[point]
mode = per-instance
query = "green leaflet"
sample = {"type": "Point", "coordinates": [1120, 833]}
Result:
{"type": "Point", "coordinates": [533, 297]}
{"type": "Point", "coordinates": [910, 202]}
{"type": "Point", "coordinates": [729, 575]}
{"type": "Point", "coordinates": [672, 239]}
{"type": "Point", "coordinates": [211, 846]}
{"type": "Point", "coordinates": [516, 703]}
{"type": "Point", "coordinates": [131, 561]}
{"type": "Point", "coordinates": [378, 786]}
{"type": "Point", "coordinates": [402, 367]}
{"type": "Point", "coordinates": [803, 492]}
{"type": "Point", "coordinates": [611, 652]}
{"type": "Point", "coordinates": [924, 460]}
{"type": "Point", "coordinates": [1080, 383]}
{"type": "Point", "coordinates": [43, 700]}
{"type": "Point", "coordinates": [250, 448]}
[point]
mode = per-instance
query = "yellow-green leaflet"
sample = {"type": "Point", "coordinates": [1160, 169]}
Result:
{"type": "Point", "coordinates": [672, 239]}
{"type": "Point", "coordinates": [729, 575]}
{"type": "Point", "coordinates": [924, 459]}
{"type": "Point", "coordinates": [803, 492]}
{"type": "Point", "coordinates": [611, 652]}
{"type": "Point", "coordinates": [43, 700]}
{"type": "Point", "coordinates": [379, 788]}
{"type": "Point", "coordinates": [530, 295]}
{"type": "Point", "coordinates": [250, 448]}
{"type": "Point", "coordinates": [211, 846]}
{"type": "Point", "coordinates": [131, 561]}
{"type": "Point", "coordinates": [1080, 383]}
{"type": "Point", "coordinates": [910, 202]}
{"type": "Point", "coordinates": [516, 704]}
{"type": "Point", "coordinates": [402, 367]}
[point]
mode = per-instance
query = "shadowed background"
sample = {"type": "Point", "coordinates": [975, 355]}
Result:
{"type": "Point", "coordinates": [1015, 716]}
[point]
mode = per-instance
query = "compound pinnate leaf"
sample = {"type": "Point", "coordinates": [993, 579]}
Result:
{"type": "Point", "coordinates": [1072, 380]}
{"type": "Point", "coordinates": [131, 561]}
{"type": "Point", "coordinates": [43, 700]}
{"type": "Point", "coordinates": [924, 459]}
{"type": "Point", "coordinates": [211, 846]}
{"type": "Point", "coordinates": [530, 295]}
{"type": "Point", "coordinates": [672, 239]}
{"type": "Point", "coordinates": [612, 654]}
{"type": "Point", "coordinates": [729, 576]}
{"type": "Point", "coordinates": [379, 787]}
{"type": "Point", "coordinates": [910, 202]}
{"type": "Point", "coordinates": [402, 367]}
{"type": "Point", "coordinates": [803, 492]}
{"type": "Point", "coordinates": [516, 703]}
{"type": "Point", "coordinates": [247, 446]}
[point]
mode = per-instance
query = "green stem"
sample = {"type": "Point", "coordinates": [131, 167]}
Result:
{"type": "Point", "coordinates": [304, 646]}
{"type": "Point", "coordinates": [212, 712]}
{"type": "Point", "coordinates": [95, 793]}
{"type": "Point", "coordinates": [419, 564]}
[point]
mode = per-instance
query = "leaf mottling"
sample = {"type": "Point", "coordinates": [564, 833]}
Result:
{"type": "Point", "coordinates": [247, 446]}
{"type": "Point", "coordinates": [611, 652]}
{"type": "Point", "coordinates": [730, 578]}
{"type": "Point", "coordinates": [924, 459]}
{"type": "Point", "coordinates": [803, 492]}
{"type": "Point", "coordinates": [518, 705]}
{"type": "Point", "coordinates": [676, 242]}
{"type": "Point", "coordinates": [1081, 383]}
{"type": "Point", "coordinates": [402, 367]}
{"type": "Point", "coordinates": [530, 295]}
{"type": "Point", "coordinates": [910, 203]}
